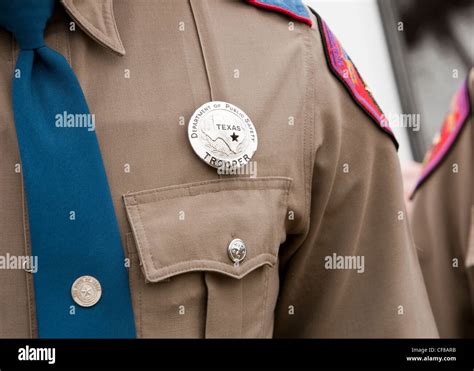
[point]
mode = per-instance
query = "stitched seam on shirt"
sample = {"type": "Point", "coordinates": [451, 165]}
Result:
{"type": "Point", "coordinates": [139, 291]}
{"type": "Point", "coordinates": [146, 238]}
{"type": "Point", "coordinates": [193, 264]}
{"type": "Point", "coordinates": [96, 33]}
{"type": "Point", "coordinates": [114, 24]}
{"type": "Point", "coordinates": [200, 37]}
{"type": "Point", "coordinates": [134, 279]}
{"type": "Point", "coordinates": [26, 230]}
{"type": "Point", "coordinates": [307, 149]}
{"type": "Point", "coordinates": [28, 251]}
{"type": "Point", "coordinates": [265, 295]}
{"type": "Point", "coordinates": [197, 265]}
{"type": "Point", "coordinates": [214, 181]}
{"type": "Point", "coordinates": [137, 223]}
{"type": "Point", "coordinates": [200, 192]}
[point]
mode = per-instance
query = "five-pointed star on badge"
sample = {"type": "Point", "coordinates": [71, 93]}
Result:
{"type": "Point", "coordinates": [234, 137]}
{"type": "Point", "coordinates": [86, 291]}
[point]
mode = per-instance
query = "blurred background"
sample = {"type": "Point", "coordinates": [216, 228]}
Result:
{"type": "Point", "coordinates": [413, 54]}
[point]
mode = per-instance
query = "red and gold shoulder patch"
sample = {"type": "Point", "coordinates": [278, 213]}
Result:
{"type": "Point", "coordinates": [344, 69]}
{"type": "Point", "coordinates": [446, 137]}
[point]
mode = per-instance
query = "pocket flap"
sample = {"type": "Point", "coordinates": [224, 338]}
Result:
{"type": "Point", "coordinates": [189, 227]}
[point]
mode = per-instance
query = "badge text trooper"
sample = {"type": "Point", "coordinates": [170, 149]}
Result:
{"type": "Point", "coordinates": [222, 135]}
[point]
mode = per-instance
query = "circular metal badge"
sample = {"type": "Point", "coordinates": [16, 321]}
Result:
{"type": "Point", "coordinates": [237, 250]}
{"type": "Point", "coordinates": [222, 135]}
{"type": "Point", "coordinates": [86, 291]}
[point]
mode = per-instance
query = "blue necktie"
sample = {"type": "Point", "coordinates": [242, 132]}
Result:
{"type": "Point", "coordinates": [73, 227]}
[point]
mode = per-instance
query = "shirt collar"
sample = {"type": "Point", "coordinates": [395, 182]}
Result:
{"type": "Point", "coordinates": [96, 18]}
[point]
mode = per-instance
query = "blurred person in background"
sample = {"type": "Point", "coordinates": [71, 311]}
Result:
{"type": "Point", "coordinates": [443, 218]}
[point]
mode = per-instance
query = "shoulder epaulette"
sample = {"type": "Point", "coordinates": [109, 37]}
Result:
{"type": "Point", "coordinates": [446, 138]}
{"type": "Point", "coordinates": [338, 60]}
{"type": "Point", "coordinates": [293, 8]}
{"type": "Point", "coordinates": [344, 69]}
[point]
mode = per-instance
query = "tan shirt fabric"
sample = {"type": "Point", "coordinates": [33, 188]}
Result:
{"type": "Point", "coordinates": [443, 228]}
{"type": "Point", "coordinates": [328, 180]}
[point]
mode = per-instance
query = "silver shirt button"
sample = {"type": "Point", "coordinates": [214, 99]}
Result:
{"type": "Point", "coordinates": [86, 291]}
{"type": "Point", "coordinates": [237, 250]}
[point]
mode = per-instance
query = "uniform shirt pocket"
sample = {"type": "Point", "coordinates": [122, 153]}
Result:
{"type": "Point", "coordinates": [182, 235]}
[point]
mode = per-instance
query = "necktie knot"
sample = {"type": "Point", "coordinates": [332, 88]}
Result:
{"type": "Point", "coordinates": [26, 20]}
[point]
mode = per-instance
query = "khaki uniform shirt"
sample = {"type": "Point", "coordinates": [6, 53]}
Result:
{"type": "Point", "coordinates": [327, 185]}
{"type": "Point", "coordinates": [443, 228]}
